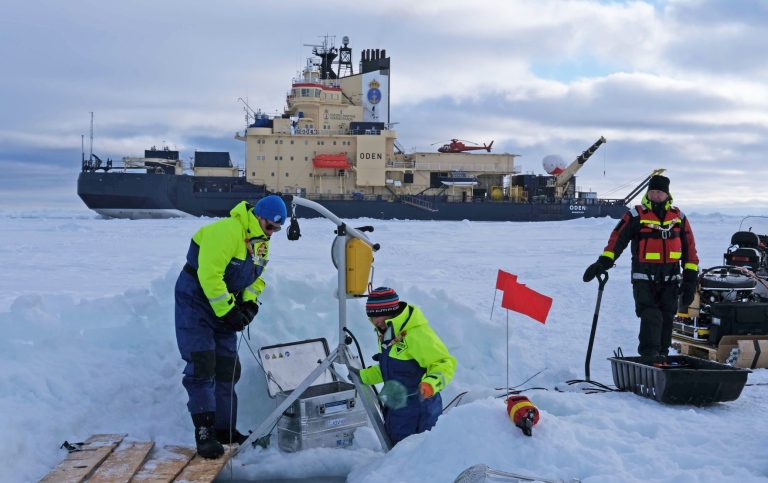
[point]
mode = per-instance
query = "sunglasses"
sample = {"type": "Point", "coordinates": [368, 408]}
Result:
{"type": "Point", "coordinates": [271, 227]}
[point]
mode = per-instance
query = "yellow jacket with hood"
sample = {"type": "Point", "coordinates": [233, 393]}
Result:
{"type": "Point", "coordinates": [411, 353]}
{"type": "Point", "coordinates": [230, 256]}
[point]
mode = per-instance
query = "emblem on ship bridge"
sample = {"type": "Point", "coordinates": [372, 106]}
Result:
{"type": "Point", "coordinates": [374, 94]}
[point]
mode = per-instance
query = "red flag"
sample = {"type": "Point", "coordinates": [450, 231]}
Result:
{"type": "Point", "coordinates": [521, 299]}
{"type": "Point", "coordinates": [502, 278]}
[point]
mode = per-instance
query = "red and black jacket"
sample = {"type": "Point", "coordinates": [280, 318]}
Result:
{"type": "Point", "coordinates": [659, 247]}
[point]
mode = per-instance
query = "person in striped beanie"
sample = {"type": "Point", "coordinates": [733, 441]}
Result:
{"type": "Point", "coordinates": [411, 353]}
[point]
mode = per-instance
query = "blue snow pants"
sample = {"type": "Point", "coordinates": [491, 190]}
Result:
{"type": "Point", "coordinates": [210, 351]}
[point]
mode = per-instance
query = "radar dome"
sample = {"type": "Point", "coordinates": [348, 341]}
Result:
{"type": "Point", "coordinates": [554, 164]}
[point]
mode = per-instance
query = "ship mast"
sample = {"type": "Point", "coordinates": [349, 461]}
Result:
{"type": "Point", "coordinates": [90, 158]}
{"type": "Point", "coordinates": [345, 59]}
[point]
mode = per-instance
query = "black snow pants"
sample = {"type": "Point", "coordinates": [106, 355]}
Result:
{"type": "Point", "coordinates": [655, 304]}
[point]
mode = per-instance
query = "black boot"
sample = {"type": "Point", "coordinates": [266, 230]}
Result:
{"type": "Point", "coordinates": [224, 436]}
{"type": "Point", "coordinates": [205, 436]}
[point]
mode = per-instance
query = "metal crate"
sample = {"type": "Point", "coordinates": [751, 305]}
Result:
{"type": "Point", "coordinates": [324, 416]}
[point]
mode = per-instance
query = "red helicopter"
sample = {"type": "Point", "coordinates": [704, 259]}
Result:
{"type": "Point", "coordinates": [457, 146]}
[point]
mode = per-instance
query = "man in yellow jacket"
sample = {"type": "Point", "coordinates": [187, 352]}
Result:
{"type": "Point", "coordinates": [412, 354]}
{"type": "Point", "coordinates": [216, 297]}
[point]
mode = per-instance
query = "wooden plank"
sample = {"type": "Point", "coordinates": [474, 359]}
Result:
{"type": "Point", "coordinates": [79, 464]}
{"type": "Point", "coordinates": [97, 439]}
{"type": "Point", "coordinates": [164, 465]}
{"type": "Point", "coordinates": [202, 470]}
{"type": "Point", "coordinates": [122, 463]}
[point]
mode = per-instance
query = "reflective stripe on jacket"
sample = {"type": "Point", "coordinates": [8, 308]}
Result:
{"type": "Point", "coordinates": [659, 247]}
{"type": "Point", "coordinates": [230, 256]}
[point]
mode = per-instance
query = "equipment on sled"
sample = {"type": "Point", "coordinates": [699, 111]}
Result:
{"type": "Point", "coordinates": [748, 250]}
{"type": "Point", "coordinates": [728, 302]}
{"type": "Point", "coordinates": [731, 299]}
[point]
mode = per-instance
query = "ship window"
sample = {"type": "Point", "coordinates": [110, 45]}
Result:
{"type": "Point", "coordinates": [281, 158]}
{"type": "Point", "coordinates": [310, 175]}
{"type": "Point", "coordinates": [317, 92]}
{"type": "Point", "coordinates": [291, 158]}
{"type": "Point", "coordinates": [291, 141]}
{"type": "Point", "coordinates": [334, 143]}
{"type": "Point", "coordinates": [273, 174]}
{"type": "Point", "coordinates": [305, 93]}
{"type": "Point", "coordinates": [275, 141]}
{"type": "Point", "coordinates": [318, 143]}
{"type": "Point", "coordinates": [306, 142]}
{"type": "Point", "coordinates": [281, 141]}
{"type": "Point", "coordinates": [286, 175]}
{"type": "Point", "coordinates": [275, 158]}
{"type": "Point", "coordinates": [253, 173]}
{"type": "Point", "coordinates": [306, 158]}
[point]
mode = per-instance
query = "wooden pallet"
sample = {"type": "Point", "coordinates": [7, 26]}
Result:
{"type": "Point", "coordinates": [103, 459]}
{"type": "Point", "coordinates": [688, 348]}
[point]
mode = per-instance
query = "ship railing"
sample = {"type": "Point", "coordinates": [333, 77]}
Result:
{"type": "Point", "coordinates": [484, 167]}
{"type": "Point", "coordinates": [131, 163]}
{"type": "Point", "coordinates": [334, 132]}
{"type": "Point", "coordinates": [417, 202]}
{"type": "Point", "coordinates": [334, 83]}
{"type": "Point", "coordinates": [401, 164]}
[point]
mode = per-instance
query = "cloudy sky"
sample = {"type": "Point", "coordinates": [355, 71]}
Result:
{"type": "Point", "coordinates": [674, 84]}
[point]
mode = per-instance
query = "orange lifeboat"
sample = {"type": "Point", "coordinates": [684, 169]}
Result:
{"type": "Point", "coordinates": [337, 161]}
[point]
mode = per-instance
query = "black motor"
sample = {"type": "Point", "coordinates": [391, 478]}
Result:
{"type": "Point", "coordinates": [726, 284]}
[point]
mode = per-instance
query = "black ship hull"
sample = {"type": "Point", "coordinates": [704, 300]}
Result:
{"type": "Point", "coordinates": [149, 195]}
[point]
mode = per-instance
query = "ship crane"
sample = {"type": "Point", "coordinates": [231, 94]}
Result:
{"type": "Point", "coordinates": [562, 179]}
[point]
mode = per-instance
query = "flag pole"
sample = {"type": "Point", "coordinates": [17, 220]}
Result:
{"type": "Point", "coordinates": [506, 388]}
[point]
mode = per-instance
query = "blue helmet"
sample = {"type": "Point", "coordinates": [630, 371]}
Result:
{"type": "Point", "coordinates": [271, 208]}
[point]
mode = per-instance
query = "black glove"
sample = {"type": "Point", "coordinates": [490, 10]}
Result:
{"type": "Point", "coordinates": [602, 264]}
{"type": "Point", "coordinates": [687, 290]}
{"type": "Point", "coordinates": [249, 310]}
{"type": "Point", "coordinates": [235, 319]}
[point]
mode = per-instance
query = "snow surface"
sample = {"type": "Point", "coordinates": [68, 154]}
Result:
{"type": "Point", "coordinates": [86, 310]}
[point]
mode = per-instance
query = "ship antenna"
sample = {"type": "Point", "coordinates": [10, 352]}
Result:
{"type": "Point", "coordinates": [90, 158]}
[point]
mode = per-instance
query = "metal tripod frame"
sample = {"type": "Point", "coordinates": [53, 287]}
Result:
{"type": "Point", "coordinates": [341, 354]}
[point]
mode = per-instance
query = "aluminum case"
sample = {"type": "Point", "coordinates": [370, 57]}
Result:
{"type": "Point", "coordinates": [326, 414]}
